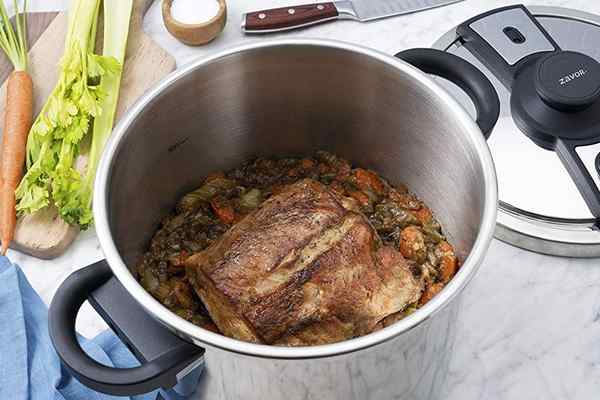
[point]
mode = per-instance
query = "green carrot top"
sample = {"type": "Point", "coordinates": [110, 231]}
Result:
{"type": "Point", "coordinates": [14, 43]}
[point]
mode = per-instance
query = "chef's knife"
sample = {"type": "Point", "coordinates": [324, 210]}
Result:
{"type": "Point", "coordinates": [286, 18]}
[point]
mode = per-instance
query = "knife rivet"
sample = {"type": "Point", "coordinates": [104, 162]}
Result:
{"type": "Point", "coordinates": [262, 16]}
{"type": "Point", "coordinates": [320, 7]}
{"type": "Point", "coordinates": [291, 11]}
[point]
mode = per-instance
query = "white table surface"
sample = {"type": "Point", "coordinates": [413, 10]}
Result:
{"type": "Point", "coordinates": [530, 326]}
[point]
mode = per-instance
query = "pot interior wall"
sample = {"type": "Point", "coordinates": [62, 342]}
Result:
{"type": "Point", "coordinates": [293, 100]}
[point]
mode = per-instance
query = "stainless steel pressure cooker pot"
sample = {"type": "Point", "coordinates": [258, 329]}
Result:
{"type": "Point", "coordinates": [284, 98]}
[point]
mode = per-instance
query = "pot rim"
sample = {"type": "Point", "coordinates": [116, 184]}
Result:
{"type": "Point", "coordinates": [202, 337]}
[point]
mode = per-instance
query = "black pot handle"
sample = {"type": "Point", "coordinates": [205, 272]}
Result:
{"type": "Point", "coordinates": [162, 355]}
{"type": "Point", "coordinates": [464, 75]}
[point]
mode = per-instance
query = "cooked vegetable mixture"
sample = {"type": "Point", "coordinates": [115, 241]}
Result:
{"type": "Point", "coordinates": [202, 216]}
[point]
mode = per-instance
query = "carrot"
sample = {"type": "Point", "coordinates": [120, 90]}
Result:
{"type": "Point", "coordinates": [448, 261]}
{"type": "Point", "coordinates": [430, 292]}
{"type": "Point", "coordinates": [17, 120]}
{"type": "Point", "coordinates": [424, 215]}
{"type": "Point", "coordinates": [223, 210]}
{"type": "Point", "coordinates": [307, 163]}
{"type": "Point", "coordinates": [366, 179]}
{"type": "Point", "coordinates": [412, 244]}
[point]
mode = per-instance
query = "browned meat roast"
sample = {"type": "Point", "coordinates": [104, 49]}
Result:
{"type": "Point", "coordinates": [301, 270]}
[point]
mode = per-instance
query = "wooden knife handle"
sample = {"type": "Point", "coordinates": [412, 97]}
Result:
{"type": "Point", "coordinates": [285, 18]}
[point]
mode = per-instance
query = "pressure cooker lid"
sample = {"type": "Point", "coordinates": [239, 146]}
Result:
{"type": "Point", "coordinates": [545, 65]}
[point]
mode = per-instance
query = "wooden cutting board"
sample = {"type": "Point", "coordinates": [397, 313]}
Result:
{"type": "Point", "coordinates": [45, 235]}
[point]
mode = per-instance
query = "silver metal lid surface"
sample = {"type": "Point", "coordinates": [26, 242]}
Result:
{"type": "Point", "coordinates": [541, 208]}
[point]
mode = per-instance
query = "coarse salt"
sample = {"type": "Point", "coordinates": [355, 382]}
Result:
{"type": "Point", "coordinates": [194, 11]}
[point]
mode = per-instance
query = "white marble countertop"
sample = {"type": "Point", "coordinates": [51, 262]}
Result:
{"type": "Point", "coordinates": [530, 326]}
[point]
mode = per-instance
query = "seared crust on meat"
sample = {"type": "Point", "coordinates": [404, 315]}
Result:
{"type": "Point", "coordinates": [301, 270]}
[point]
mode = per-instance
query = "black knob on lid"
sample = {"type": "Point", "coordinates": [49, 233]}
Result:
{"type": "Point", "coordinates": [568, 81]}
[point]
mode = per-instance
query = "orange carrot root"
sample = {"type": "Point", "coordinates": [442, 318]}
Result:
{"type": "Point", "coordinates": [17, 122]}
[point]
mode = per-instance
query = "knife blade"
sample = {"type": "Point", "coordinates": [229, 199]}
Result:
{"type": "Point", "coordinates": [369, 10]}
{"type": "Point", "coordinates": [293, 17]}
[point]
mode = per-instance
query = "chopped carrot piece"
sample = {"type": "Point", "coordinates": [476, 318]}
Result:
{"type": "Point", "coordinates": [412, 244]}
{"type": "Point", "coordinates": [445, 248]}
{"type": "Point", "coordinates": [448, 261]}
{"type": "Point", "coordinates": [307, 163]}
{"type": "Point", "coordinates": [430, 292]}
{"type": "Point", "coordinates": [366, 179]}
{"type": "Point", "coordinates": [424, 215]}
{"type": "Point", "coordinates": [223, 210]}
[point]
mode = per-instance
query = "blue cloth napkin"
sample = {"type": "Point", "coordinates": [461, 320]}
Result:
{"type": "Point", "coordinates": [30, 368]}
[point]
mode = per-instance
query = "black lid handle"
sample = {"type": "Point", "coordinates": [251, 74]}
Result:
{"type": "Point", "coordinates": [159, 372]}
{"type": "Point", "coordinates": [464, 75]}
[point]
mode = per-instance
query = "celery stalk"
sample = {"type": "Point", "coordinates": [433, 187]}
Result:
{"type": "Point", "coordinates": [73, 108]}
{"type": "Point", "coordinates": [117, 14]}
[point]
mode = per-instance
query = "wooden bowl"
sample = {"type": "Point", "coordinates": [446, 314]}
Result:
{"type": "Point", "coordinates": [195, 34]}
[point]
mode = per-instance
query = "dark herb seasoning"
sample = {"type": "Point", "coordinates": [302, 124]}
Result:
{"type": "Point", "coordinates": [202, 216]}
